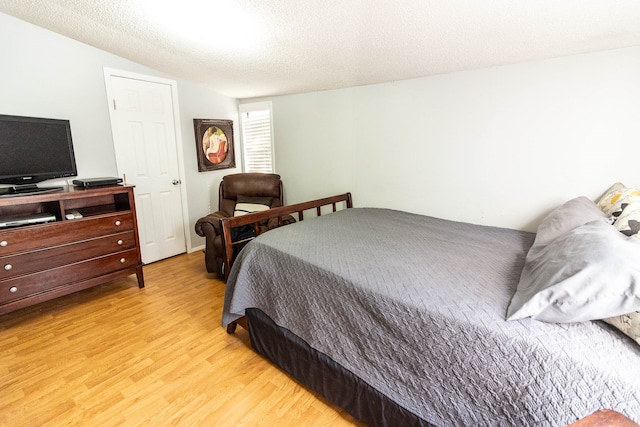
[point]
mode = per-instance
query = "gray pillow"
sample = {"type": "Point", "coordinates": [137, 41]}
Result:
{"type": "Point", "coordinates": [570, 215]}
{"type": "Point", "coordinates": [590, 272]}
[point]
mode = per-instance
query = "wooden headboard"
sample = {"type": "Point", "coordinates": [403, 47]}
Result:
{"type": "Point", "coordinates": [278, 213]}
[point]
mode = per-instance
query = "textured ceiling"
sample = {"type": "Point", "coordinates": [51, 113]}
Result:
{"type": "Point", "coordinates": [249, 48]}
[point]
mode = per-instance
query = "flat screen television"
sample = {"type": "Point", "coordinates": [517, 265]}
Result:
{"type": "Point", "coordinates": [33, 150]}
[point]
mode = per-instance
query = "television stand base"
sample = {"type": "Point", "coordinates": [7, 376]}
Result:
{"type": "Point", "coordinates": [25, 190]}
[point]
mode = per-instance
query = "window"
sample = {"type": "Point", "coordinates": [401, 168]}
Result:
{"type": "Point", "coordinates": [257, 137]}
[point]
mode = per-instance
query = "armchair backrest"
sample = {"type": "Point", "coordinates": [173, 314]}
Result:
{"type": "Point", "coordinates": [249, 185]}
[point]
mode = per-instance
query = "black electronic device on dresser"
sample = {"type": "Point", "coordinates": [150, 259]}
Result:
{"type": "Point", "coordinates": [97, 182]}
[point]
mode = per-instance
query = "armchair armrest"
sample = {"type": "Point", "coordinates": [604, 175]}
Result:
{"type": "Point", "coordinates": [210, 223]}
{"type": "Point", "coordinates": [209, 227]}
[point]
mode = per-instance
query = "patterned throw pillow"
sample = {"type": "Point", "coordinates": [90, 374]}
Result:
{"type": "Point", "coordinates": [616, 198]}
{"type": "Point", "coordinates": [628, 324]}
{"type": "Point", "coordinates": [628, 223]}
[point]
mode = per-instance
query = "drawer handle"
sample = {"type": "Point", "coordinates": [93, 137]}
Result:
{"type": "Point", "coordinates": [122, 260]}
{"type": "Point", "coordinates": [8, 267]}
{"type": "Point", "coordinates": [13, 289]}
{"type": "Point", "coordinates": [118, 222]}
{"type": "Point", "coordinates": [120, 242]}
{"type": "Point", "coordinates": [3, 243]}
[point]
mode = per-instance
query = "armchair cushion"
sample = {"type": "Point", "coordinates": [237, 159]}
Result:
{"type": "Point", "coordinates": [246, 205]}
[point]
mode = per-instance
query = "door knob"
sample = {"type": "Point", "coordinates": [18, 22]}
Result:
{"type": "Point", "coordinates": [176, 182]}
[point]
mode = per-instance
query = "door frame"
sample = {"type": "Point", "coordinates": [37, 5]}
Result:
{"type": "Point", "coordinates": [112, 72]}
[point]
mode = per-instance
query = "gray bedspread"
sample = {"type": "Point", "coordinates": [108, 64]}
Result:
{"type": "Point", "coordinates": [415, 306]}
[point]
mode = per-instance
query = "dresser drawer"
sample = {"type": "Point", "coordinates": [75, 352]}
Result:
{"type": "Point", "coordinates": [54, 234]}
{"type": "Point", "coordinates": [43, 259]}
{"type": "Point", "coordinates": [30, 284]}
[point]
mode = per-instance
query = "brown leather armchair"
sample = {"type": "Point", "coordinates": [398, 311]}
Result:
{"type": "Point", "coordinates": [247, 186]}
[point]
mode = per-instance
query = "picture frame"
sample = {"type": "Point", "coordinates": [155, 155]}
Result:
{"type": "Point", "coordinates": [214, 144]}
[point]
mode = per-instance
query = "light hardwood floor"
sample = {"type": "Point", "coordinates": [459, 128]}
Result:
{"type": "Point", "coordinates": [116, 355]}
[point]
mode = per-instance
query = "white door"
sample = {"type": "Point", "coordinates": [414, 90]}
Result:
{"type": "Point", "coordinates": [144, 133]}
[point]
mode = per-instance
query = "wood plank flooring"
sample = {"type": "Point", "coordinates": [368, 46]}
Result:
{"type": "Point", "coordinates": [116, 355]}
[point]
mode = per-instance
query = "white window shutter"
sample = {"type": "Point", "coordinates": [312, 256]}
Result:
{"type": "Point", "coordinates": [257, 137]}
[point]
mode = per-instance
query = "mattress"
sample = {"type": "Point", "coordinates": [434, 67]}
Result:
{"type": "Point", "coordinates": [415, 307]}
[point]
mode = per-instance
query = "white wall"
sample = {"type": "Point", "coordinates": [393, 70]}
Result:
{"type": "Point", "coordinates": [44, 74]}
{"type": "Point", "coordinates": [499, 146]}
{"type": "Point", "coordinates": [202, 187]}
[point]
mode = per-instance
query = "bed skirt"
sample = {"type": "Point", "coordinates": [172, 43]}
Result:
{"type": "Point", "coordinates": [321, 374]}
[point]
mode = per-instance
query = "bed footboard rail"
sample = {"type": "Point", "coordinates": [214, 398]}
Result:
{"type": "Point", "coordinates": [279, 214]}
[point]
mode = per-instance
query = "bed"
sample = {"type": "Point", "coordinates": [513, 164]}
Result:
{"type": "Point", "coordinates": [400, 319]}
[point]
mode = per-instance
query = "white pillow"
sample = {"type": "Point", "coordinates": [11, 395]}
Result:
{"type": "Point", "coordinates": [571, 214]}
{"type": "Point", "coordinates": [591, 272]}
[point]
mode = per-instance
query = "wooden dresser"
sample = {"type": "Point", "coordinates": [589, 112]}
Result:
{"type": "Point", "coordinates": [44, 261]}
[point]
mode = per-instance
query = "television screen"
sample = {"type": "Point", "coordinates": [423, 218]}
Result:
{"type": "Point", "coordinates": [35, 149]}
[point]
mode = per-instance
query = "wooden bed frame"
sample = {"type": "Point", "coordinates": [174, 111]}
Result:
{"type": "Point", "coordinates": [602, 418]}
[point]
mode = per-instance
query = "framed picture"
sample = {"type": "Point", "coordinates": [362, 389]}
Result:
{"type": "Point", "coordinates": [214, 144]}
